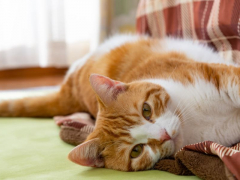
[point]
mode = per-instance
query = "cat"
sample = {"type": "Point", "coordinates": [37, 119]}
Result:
{"type": "Point", "coordinates": [150, 97]}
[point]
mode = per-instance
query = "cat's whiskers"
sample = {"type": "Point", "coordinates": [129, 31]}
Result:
{"type": "Point", "coordinates": [187, 119]}
{"type": "Point", "coordinates": [189, 116]}
{"type": "Point", "coordinates": [177, 106]}
{"type": "Point", "coordinates": [182, 101]}
{"type": "Point", "coordinates": [185, 112]}
{"type": "Point", "coordinates": [181, 110]}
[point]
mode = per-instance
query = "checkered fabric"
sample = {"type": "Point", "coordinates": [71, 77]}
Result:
{"type": "Point", "coordinates": [215, 22]}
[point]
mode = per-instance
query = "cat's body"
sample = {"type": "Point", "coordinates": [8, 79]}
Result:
{"type": "Point", "coordinates": [193, 96]}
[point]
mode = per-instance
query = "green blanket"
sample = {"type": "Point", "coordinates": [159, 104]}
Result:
{"type": "Point", "coordinates": [31, 149]}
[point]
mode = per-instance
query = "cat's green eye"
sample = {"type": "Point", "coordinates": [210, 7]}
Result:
{"type": "Point", "coordinates": [136, 151]}
{"type": "Point", "coordinates": [146, 111]}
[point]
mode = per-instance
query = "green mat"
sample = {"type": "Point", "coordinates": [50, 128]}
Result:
{"type": "Point", "coordinates": [31, 149]}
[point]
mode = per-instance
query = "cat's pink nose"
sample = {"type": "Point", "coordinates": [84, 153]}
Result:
{"type": "Point", "coordinates": [165, 136]}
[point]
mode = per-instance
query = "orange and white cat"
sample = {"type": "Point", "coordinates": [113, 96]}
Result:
{"type": "Point", "coordinates": [150, 97]}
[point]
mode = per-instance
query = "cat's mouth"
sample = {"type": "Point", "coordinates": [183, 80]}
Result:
{"type": "Point", "coordinates": [178, 142]}
{"type": "Point", "coordinates": [173, 138]}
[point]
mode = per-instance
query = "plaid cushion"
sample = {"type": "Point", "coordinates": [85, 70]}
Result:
{"type": "Point", "coordinates": [216, 23]}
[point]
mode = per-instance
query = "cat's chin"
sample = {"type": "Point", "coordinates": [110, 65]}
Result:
{"type": "Point", "coordinates": [178, 142]}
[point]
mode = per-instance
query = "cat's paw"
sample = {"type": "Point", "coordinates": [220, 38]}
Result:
{"type": "Point", "coordinates": [83, 118]}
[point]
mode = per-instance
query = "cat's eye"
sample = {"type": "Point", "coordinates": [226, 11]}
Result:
{"type": "Point", "coordinates": [136, 151]}
{"type": "Point", "coordinates": [146, 111]}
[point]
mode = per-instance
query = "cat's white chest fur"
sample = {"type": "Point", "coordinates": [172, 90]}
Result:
{"type": "Point", "coordinates": [207, 114]}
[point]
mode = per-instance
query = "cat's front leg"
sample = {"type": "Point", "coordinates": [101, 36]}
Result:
{"type": "Point", "coordinates": [80, 117]}
{"type": "Point", "coordinates": [75, 128]}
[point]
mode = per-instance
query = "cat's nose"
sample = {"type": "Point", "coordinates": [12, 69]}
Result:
{"type": "Point", "coordinates": [165, 136]}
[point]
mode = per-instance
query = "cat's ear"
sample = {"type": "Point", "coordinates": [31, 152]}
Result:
{"type": "Point", "coordinates": [106, 88]}
{"type": "Point", "coordinates": [87, 154]}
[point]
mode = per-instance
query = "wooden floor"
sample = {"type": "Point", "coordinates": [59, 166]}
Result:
{"type": "Point", "coordinates": [31, 77]}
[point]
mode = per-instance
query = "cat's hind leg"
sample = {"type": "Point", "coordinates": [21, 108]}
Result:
{"type": "Point", "coordinates": [79, 117]}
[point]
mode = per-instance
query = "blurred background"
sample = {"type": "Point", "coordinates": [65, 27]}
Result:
{"type": "Point", "coordinates": [40, 39]}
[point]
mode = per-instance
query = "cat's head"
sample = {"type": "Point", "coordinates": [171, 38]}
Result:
{"type": "Point", "coordinates": [134, 127]}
